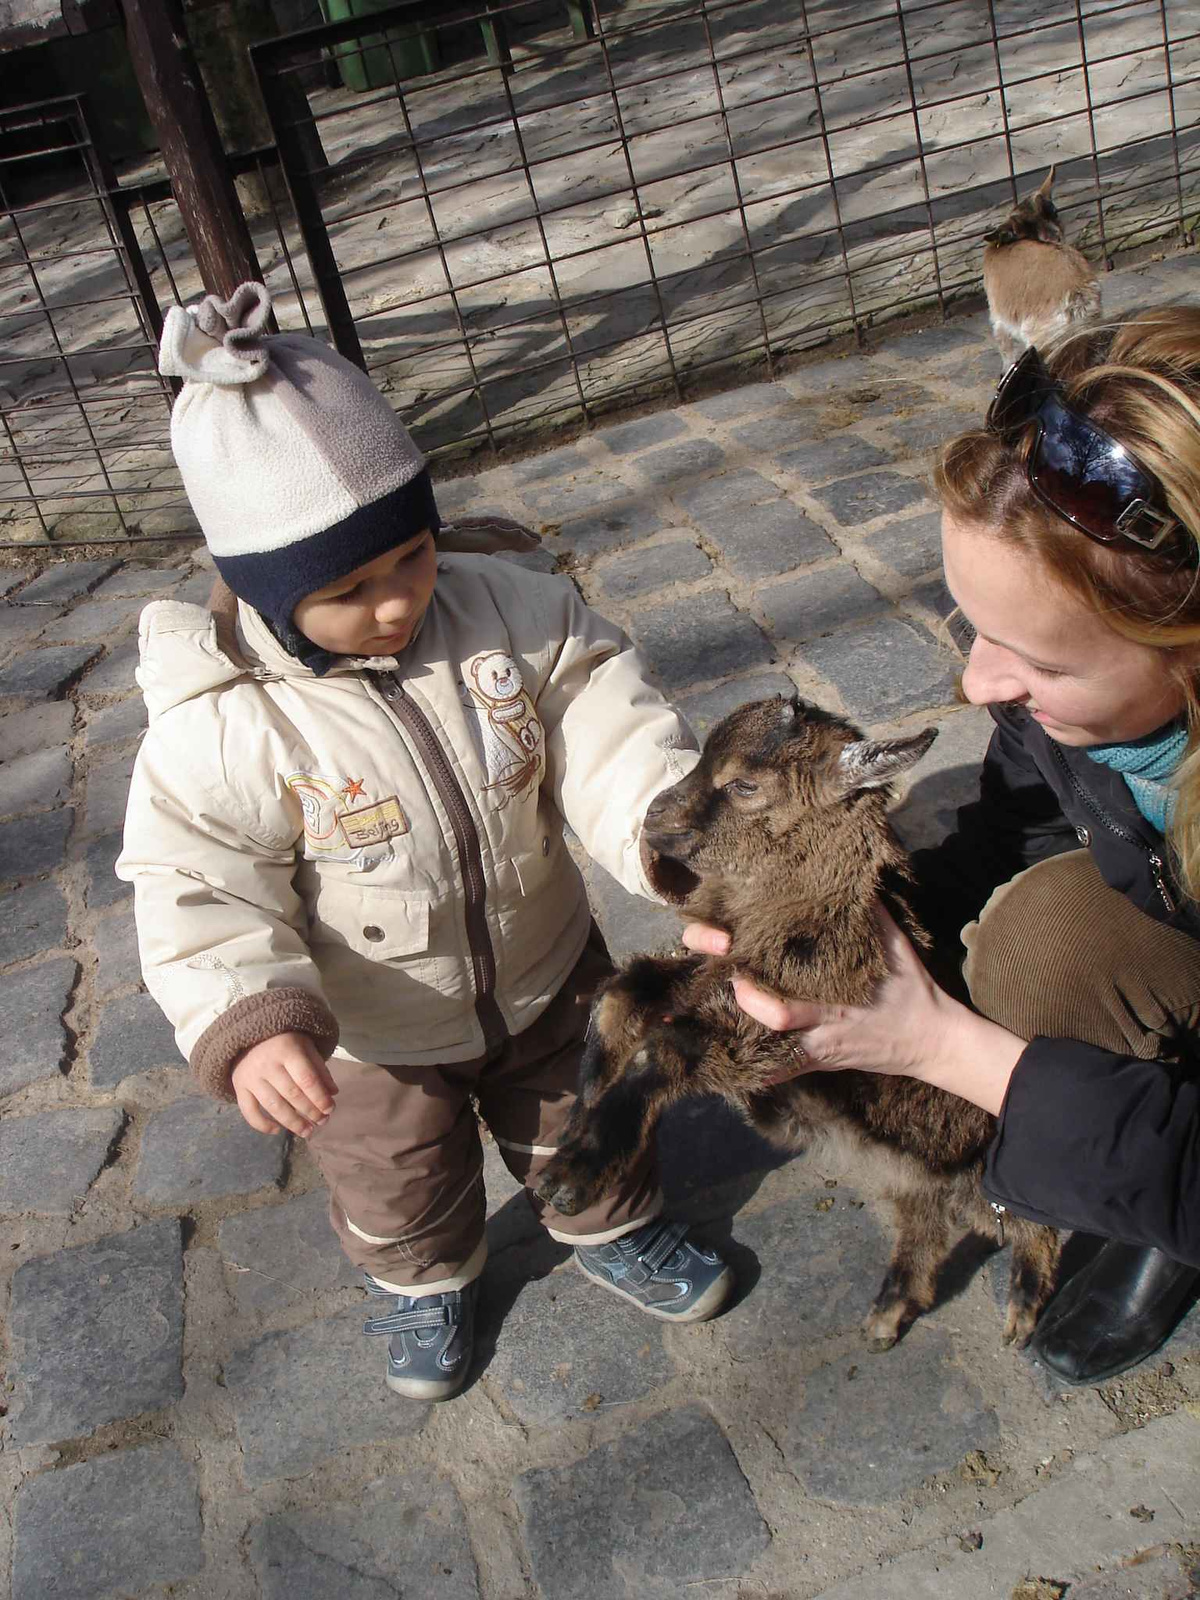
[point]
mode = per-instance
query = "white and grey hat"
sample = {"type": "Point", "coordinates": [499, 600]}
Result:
{"type": "Point", "coordinates": [296, 466]}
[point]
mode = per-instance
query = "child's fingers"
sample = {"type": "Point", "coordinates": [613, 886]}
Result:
{"type": "Point", "coordinates": [281, 1104]}
{"type": "Point", "coordinates": [315, 1081]}
{"type": "Point", "coordinates": [254, 1114]}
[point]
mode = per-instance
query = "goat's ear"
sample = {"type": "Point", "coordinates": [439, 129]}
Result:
{"type": "Point", "coordinates": [870, 763]}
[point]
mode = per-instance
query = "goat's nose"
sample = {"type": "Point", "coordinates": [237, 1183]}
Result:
{"type": "Point", "coordinates": [658, 806]}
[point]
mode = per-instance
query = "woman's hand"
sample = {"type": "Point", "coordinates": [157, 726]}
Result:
{"type": "Point", "coordinates": [911, 1027]}
{"type": "Point", "coordinates": [283, 1082]}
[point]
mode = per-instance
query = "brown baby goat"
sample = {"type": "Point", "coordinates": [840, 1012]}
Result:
{"type": "Point", "coordinates": [780, 836]}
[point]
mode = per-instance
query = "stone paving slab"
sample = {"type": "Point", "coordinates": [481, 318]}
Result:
{"type": "Point", "coordinates": [1066, 1529]}
{"type": "Point", "coordinates": [200, 1149]}
{"type": "Point", "coordinates": [133, 1036]}
{"type": "Point", "coordinates": [94, 619]}
{"type": "Point", "coordinates": [24, 732]}
{"type": "Point", "coordinates": [113, 1308]}
{"type": "Point", "coordinates": [869, 1428]}
{"type": "Point", "coordinates": [823, 1257]}
{"type": "Point", "coordinates": [300, 1398]}
{"type": "Point", "coordinates": [45, 674]}
{"type": "Point", "coordinates": [35, 844]}
{"type": "Point", "coordinates": [107, 795]}
{"type": "Point", "coordinates": [104, 888]}
{"type": "Point", "coordinates": [114, 673]}
{"type": "Point", "coordinates": [661, 1509]}
{"type": "Point", "coordinates": [81, 1532]}
{"type": "Point", "coordinates": [48, 1160]}
{"type": "Point", "coordinates": [35, 919]}
{"type": "Point", "coordinates": [143, 581]}
{"type": "Point", "coordinates": [116, 723]}
{"type": "Point", "coordinates": [33, 1044]}
{"type": "Point", "coordinates": [37, 781]}
{"type": "Point", "coordinates": [566, 1349]}
{"type": "Point", "coordinates": [703, 637]}
{"type": "Point", "coordinates": [117, 961]}
{"type": "Point", "coordinates": [60, 585]}
{"type": "Point", "coordinates": [277, 1256]}
{"type": "Point", "coordinates": [402, 1535]}
{"type": "Point", "coordinates": [916, 675]}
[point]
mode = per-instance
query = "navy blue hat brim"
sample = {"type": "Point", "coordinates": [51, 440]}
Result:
{"type": "Point", "coordinates": [274, 582]}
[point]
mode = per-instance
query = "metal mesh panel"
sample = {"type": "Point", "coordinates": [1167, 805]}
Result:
{"type": "Point", "coordinates": [85, 264]}
{"type": "Point", "coordinates": [572, 222]}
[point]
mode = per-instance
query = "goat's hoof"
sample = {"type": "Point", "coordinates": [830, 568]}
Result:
{"type": "Point", "coordinates": [878, 1343]}
{"type": "Point", "coordinates": [883, 1327]}
{"type": "Point", "coordinates": [568, 1199]}
{"type": "Point", "coordinates": [1019, 1325]}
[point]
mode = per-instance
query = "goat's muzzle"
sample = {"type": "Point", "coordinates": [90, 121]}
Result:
{"type": "Point", "coordinates": [678, 843]}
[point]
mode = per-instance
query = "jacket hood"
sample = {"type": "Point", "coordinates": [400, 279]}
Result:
{"type": "Point", "coordinates": [190, 650]}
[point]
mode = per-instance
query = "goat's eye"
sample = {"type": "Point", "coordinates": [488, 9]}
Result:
{"type": "Point", "coordinates": [741, 786]}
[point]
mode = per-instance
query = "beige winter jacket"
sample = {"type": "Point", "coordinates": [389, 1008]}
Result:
{"type": "Point", "coordinates": [378, 853]}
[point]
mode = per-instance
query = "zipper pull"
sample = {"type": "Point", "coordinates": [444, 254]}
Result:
{"type": "Point", "coordinates": [1159, 870]}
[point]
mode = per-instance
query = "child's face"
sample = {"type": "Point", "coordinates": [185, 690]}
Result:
{"type": "Point", "coordinates": [1041, 647]}
{"type": "Point", "coordinates": [374, 610]}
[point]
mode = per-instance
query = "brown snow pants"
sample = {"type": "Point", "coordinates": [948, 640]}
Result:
{"type": "Point", "coordinates": [404, 1164]}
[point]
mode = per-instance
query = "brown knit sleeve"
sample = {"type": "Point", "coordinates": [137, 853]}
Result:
{"type": "Point", "coordinates": [249, 1022]}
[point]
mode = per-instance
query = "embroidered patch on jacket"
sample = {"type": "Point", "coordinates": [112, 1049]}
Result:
{"type": "Point", "coordinates": [508, 728]}
{"type": "Point", "coordinates": [337, 828]}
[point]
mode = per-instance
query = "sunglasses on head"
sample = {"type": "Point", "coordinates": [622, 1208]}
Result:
{"type": "Point", "coordinates": [1074, 467]}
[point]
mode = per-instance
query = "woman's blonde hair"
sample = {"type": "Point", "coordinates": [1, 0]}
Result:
{"type": "Point", "coordinates": [1138, 379]}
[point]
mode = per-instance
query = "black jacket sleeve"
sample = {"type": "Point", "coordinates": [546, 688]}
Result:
{"type": "Point", "coordinates": [1017, 821]}
{"type": "Point", "coordinates": [1102, 1142]}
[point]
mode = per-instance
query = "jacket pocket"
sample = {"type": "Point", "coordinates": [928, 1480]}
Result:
{"type": "Point", "coordinates": [382, 924]}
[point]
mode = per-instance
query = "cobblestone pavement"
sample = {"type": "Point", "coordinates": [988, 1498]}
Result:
{"type": "Point", "coordinates": [190, 1406]}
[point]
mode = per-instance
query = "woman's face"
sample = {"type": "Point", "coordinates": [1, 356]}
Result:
{"type": "Point", "coordinates": [1038, 646]}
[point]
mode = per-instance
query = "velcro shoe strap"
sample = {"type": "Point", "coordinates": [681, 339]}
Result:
{"type": "Point", "coordinates": [661, 1244]}
{"type": "Point", "coordinates": [409, 1321]}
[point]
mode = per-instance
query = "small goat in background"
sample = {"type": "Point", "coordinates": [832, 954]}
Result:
{"type": "Point", "coordinates": [780, 836]}
{"type": "Point", "coordinates": [1037, 285]}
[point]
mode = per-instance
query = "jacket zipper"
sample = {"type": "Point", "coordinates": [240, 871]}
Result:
{"type": "Point", "coordinates": [470, 856]}
{"type": "Point", "coordinates": [1157, 866]}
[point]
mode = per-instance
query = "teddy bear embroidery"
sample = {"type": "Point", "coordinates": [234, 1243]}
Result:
{"type": "Point", "coordinates": [507, 727]}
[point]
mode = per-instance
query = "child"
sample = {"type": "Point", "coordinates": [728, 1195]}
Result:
{"type": "Point", "coordinates": [345, 834]}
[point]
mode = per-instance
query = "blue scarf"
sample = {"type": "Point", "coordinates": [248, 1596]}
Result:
{"type": "Point", "coordinates": [1147, 765]}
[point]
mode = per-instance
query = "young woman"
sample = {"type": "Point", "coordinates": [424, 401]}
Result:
{"type": "Point", "coordinates": [1071, 542]}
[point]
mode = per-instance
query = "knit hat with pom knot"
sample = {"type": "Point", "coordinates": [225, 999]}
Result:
{"type": "Point", "coordinates": [296, 466]}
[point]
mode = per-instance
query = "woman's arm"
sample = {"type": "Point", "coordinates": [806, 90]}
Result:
{"type": "Point", "coordinates": [1085, 1139]}
{"type": "Point", "coordinates": [912, 1027]}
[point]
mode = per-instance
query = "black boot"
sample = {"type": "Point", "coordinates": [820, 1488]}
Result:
{"type": "Point", "coordinates": [1114, 1313]}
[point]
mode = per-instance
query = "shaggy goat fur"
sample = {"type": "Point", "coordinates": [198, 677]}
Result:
{"type": "Point", "coordinates": [780, 836]}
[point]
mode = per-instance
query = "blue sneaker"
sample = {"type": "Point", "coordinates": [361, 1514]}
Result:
{"type": "Point", "coordinates": [432, 1335]}
{"type": "Point", "coordinates": [660, 1271]}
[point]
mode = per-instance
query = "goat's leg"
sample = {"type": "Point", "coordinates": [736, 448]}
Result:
{"type": "Point", "coordinates": [615, 1119]}
{"type": "Point", "coordinates": [1036, 1250]}
{"type": "Point", "coordinates": [910, 1284]}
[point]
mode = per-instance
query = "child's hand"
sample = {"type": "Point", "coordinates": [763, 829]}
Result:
{"type": "Point", "coordinates": [283, 1083]}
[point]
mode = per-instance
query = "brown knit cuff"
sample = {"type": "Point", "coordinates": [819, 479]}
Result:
{"type": "Point", "coordinates": [249, 1022]}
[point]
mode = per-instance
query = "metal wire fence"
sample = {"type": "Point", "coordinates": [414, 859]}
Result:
{"type": "Point", "coordinates": [518, 219]}
{"type": "Point", "coordinates": [86, 264]}
{"type": "Point", "coordinates": [583, 221]}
